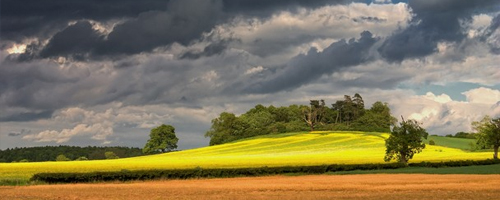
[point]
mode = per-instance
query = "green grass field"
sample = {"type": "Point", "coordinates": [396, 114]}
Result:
{"type": "Point", "coordinates": [459, 143]}
{"type": "Point", "coordinates": [291, 149]}
{"type": "Point", "coordinates": [482, 169]}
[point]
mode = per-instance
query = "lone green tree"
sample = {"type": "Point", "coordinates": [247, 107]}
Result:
{"type": "Point", "coordinates": [162, 139]}
{"type": "Point", "coordinates": [405, 141]}
{"type": "Point", "coordinates": [488, 133]}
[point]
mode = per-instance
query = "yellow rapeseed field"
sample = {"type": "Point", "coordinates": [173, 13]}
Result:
{"type": "Point", "coordinates": [314, 148]}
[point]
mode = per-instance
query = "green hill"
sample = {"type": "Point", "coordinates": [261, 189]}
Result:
{"type": "Point", "coordinates": [459, 143]}
{"type": "Point", "coordinates": [291, 149]}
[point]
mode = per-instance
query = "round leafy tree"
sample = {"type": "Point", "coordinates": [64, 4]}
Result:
{"type": "Point", "coordinates": [405, 141]}
{"type": "Point", "coordinates": [162, 139]}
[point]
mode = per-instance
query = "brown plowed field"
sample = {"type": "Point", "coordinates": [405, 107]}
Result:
{"type": "Point", "coordinates": [376, 186]}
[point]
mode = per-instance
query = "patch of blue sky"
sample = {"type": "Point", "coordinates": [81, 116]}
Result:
{"type": "Point", "coordinates": [454, 89]}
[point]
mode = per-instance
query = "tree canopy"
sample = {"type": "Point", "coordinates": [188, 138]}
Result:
{"type": "Point", "coordinates": [488, 133]}
{"type": "Point", "coordinates": [49, 153]}
{"type": "Point", "coordinates": [348, 114]}
{"type": "Point", "coordinates": [161, 139]}
{"type": "Point", "coordinates": [405, 141]}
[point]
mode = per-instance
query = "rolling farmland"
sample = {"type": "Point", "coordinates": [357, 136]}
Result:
{"type": "Point", "coordinates": [292, 149]}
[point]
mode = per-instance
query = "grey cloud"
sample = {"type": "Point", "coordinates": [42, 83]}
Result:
{"type": "Point", "coordinates": [149, 24]}
{"type": "Point", "coordinates": [33, 18]}
{"type": "Point", "coordinates": [22, 132]}
{"type": "Point", "coordinates": [306, 68]}
{"type": "Point", "coordinates": [38, 85]}
{"type": "Point", "coordinates": [434, 21]}
{"type": "Point", "coordinates": [77, 41]}
{"type": "Point", "coordinates": [492, 37]}
{"type": "Point", "coordinates": [265, 8]}
{"type": "Point", "coordinates": [12, 134]}
{"type": "Point", "coordinates": [212, 49]}
{"type": "Point", "coordinates": [184, 21]}
{"type": "Point", "coordinates": [26, 116]}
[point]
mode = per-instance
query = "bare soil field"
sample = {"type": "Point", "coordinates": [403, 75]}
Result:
{"type": "Point", "coordinates": [372, 186]}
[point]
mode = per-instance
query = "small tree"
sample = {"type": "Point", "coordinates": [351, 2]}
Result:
{"type": "Point", "coordinates": [62, 157]}
{"type": "Point", "coordinates": [162, 138]}
{"type": "Point", "coordinates": [314, 114]}
{"type": "Point", "coordinates": [405, 141]}
{"type": "Point", "coordinates": [110, 155]}
{"type": "Point", "coordinates": [488, 133]}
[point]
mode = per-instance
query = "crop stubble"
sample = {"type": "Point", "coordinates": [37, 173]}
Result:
{"type": "Point", "coordinates": [372, 186]}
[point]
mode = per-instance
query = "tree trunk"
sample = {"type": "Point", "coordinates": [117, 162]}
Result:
{"type": "Point", "coordinates": [402, 159]}
{"type": "Point", "coordinates": [495, 149]}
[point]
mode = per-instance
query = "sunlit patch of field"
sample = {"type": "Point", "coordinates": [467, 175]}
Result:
{"type": "Point", "coordinates": [292, 149]}
{"type": "Point", "coordinates": [372, 186]}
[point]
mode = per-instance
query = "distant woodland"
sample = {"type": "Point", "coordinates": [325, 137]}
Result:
{"type": "Point", "coordinates": [348, 114]}
{"type": "Point", "coordinates": [64, 153]}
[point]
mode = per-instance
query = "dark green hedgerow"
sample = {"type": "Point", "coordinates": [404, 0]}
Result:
{"type": "Point", "coordinates": [126, 175]}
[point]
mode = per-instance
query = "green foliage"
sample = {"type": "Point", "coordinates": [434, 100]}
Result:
{"type": "Point", "coordinates": [431, 142]}
{"type": "Point", "coordinates": [488, 133]}
{"type": "Point", "coordinates": [49, 153]}
{"type": "Point", "coordinates": [110, 155]}
{"type": "Point", "coordinates": [62, 157]}
{"type": "Point", "coordinates": [314, 114]}
{"type": "Point", "coordinates": [24, 160]}
{"type": "Point", "coordinates": [346, 115]}
{"type": "Point", "coordinates": [405, 141]}
{"type": "Point", "coordinates": [465, 135]}
{"type": "Point", "coordinates": [82, 158]}
{"type": "Point", "coordinates": [198, 172]}
{"type": "Point", "coordinates": [161, 138]}
{"type": "Point", "coordinates": [259, 120]}
{"type": "Point", "coordinates": [226, 128]}
{"type": "Point", "coordinates": [479, 168]}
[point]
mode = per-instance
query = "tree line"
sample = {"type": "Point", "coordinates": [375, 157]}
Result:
{"type": "Point", "coordinates": [66, 153]}
{"type": "Point", "coordinates": [348, 114]}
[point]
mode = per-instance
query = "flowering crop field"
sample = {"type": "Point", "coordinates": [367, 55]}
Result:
{"type": "Point", "coordinates": [291, 149]}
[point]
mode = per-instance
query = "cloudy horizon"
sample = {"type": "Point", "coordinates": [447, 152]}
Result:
{"type": "Point", "coordinates": [106, 72]}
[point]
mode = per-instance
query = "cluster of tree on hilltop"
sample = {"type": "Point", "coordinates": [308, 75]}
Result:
{"type": "Point", "coordinates": [347, 114]}
{"type": "Point", "coordinates": [51, 153]}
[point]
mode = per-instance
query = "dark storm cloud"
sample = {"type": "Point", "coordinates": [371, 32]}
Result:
{"type": "Point", "coordinates": [434, 21]}
{"type": "Point", "coordinates": [34, 18]}
{"type": "Point", "coordinates": [26, 116]}
{"type": "Point", "coordinates": [306, 68]}
{"type": "Point", "coordinates": [30, 18]}
{"type": "Point", "coordinates": [149, 24]}
{"type": "Point", "coordinates": [184, 21]}
{"type": "Point", "coordinates": [76, 40]}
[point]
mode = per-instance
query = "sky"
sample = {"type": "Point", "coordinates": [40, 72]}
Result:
{"type": "Point", "coordinates": [106, 72]}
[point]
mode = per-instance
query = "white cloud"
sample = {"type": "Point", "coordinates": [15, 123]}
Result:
{"type": "Point", "coordinates": [441, 115]}
{"type": "Point", "coordinates": [254, 70]}
{"type": "Point", "coordinates": [100, 125]}
{"type": "Point", "coordinates": [483, 95]}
